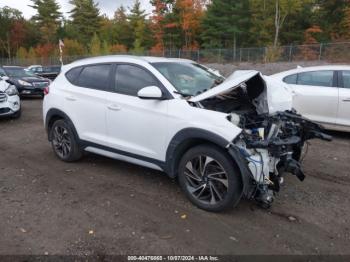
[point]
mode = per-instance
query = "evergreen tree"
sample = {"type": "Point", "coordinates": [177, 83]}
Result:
{"type": "Point", "coordinates": [86, 19]}
{"type": "Point", "coordinates": [47, 18]}
{"type": "Point", "coordinates": [226, 23]}
{"type": "Point", "coordinates": [330, 14]}
{"type": "Point", "coordinates": [137, 24]}
{"type": "Point", "coordinates": [122, 28]}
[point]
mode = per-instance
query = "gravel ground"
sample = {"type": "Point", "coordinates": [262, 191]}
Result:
{"type": "Point", "coordinates": [103, 206]}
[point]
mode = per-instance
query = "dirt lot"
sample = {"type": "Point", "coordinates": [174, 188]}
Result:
{"type": "Point", "coordinates": [99, 205]}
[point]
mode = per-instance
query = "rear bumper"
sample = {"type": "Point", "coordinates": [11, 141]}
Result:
{"type": "Point", "coordinates": [30, 91]}
{"type": "Point", "coordinates": [11, 106]}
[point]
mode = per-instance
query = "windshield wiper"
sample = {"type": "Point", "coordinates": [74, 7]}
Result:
{"type": "Point", "coordinates": [217, 82]}
{"type": "Point", "coordinates": [183, 94]}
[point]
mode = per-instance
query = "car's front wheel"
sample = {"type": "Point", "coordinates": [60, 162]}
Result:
{"type": "Point", "coordinates": [64, 142]}
{"type": "Point", "coordinates": [209, 178]}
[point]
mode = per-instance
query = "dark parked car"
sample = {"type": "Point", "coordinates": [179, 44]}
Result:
{"type": "Point", "coordinates": [26, 82]}
{"type": "Point", "coordinates": [50, 72]}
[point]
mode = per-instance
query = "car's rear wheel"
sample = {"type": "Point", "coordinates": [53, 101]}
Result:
{"type": "Point", "coordinates": [209, 178]}
{"type": "Point", "coordinates": [64, 142]}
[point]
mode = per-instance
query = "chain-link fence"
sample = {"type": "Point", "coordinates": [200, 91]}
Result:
{"type": "Point", "coordinates": [331, 52]}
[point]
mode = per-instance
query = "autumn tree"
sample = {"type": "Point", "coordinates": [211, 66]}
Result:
{"type": "Point", "coordinates": [95, 45]}
{"type": "Point", "coordinates": [344, 32]}
{"type": "Point", "coordinates": [8, 16]}
{"type": "Point", "coordinates": [191, 12]}
{"type": "Point", "coordinates": [47, 18]}
{"type": "Point", "coordinates": [22, 53]}
{"type": "Point", "coordinates": [72, 47]}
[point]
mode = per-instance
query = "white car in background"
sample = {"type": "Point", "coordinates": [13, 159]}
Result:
{"type": "Point", "coordinates": [321, 93]}
{"type": "Point", "coordinates": [10, 105]}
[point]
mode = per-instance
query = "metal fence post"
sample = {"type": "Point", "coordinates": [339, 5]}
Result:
{"type": "Point", "coordinates": [320, 55]}
{"type": "Point", "coordinates": [290, 53]}
{"type": "Point", "coordinates": [198, 56]}
{"type": "Point", "coordinates": [179, 53]}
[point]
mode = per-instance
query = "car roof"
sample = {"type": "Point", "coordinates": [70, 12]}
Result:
{"type": "Point", "coordinates": [311, 68]}
{"type": "Point", "coordinates": [15, 67]}
{"type": "Point", "coordinates": [127, 58]}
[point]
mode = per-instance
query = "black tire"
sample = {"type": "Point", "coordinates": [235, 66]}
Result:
{"type": "Point", "coordinates": [64, 142]}
{"type": "Point", "coordinates": [215, 160]}
{"type": "Point", "coordinates": [17, 114]}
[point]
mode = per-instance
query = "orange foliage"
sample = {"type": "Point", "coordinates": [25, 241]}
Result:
{"type": "Point", "coordinates": [308, 51]}
{"type": "Point", "coordinates": [190, 17]}
{"type": "Point", "coordinates": [310, 33]}
{"type": "Point", "coordinates": [157, 25]}
{"type": "Point", "coordinates": [45, 50]}
{"type": "Point", "coordinates": [118, 48]}
{"type": "Point", "coordinates": [17, 34]}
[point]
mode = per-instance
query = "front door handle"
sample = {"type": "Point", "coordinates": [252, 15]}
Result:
{"type": "Point", "coordinates": [346, 99]}
{"type": "Point", "coordinates": [114, 107]}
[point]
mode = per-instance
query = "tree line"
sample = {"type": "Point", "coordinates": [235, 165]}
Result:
{"type": "Point", "coordinates": [171, 25]}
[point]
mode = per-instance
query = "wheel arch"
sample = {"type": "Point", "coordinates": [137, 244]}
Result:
{"type": "Point", "coordinates": [52, 116]}
{"type": "Point", "coordinates": [186, 139]}
{"type": "Point", "coordinates": [189, 137]}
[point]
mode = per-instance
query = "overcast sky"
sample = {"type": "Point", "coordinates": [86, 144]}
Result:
{"type": "Point", "coordinates": [106, 6]}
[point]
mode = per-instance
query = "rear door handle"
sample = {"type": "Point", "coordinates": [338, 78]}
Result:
{"type": "Point", "coordinates": [70, 98]}
{"type": "Point", "coordinates": [114, 107]}
{"type": "Point", "coordinates": [346, 100]}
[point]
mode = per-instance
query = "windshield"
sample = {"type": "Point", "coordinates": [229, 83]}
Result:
{"type": "Point", "coordinates": [51, 69]}
{"type": "Point", "coordinates": [188, 78]}
{"type": "Point", "coordinates": [18, 72]}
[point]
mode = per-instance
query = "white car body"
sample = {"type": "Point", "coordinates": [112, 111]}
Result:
{"type": "Point", "coordinates": [326, 103]}
{"type": "Point", "coordinates": [9, 104]}
{"type": "Point", "coordinates": [156, 126]}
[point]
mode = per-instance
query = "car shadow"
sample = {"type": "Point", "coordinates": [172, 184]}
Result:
{"type": "Point", "coordinates": [339, 134]}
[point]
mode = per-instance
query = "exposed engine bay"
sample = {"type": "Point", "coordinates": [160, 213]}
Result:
{"type": "Point", "coordinates": [271, 141]}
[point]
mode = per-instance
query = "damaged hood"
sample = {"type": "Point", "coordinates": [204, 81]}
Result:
{"type": "Point", "coordinates": [275, 95]}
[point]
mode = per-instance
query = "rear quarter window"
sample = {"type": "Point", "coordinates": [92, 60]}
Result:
{"type": "Point", "coordinates": [291, 79]}
{"type": "Point", "coordinates": [73, 74]}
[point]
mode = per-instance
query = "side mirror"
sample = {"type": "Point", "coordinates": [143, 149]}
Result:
{"type": "Point", "coordinates": [150, 92]}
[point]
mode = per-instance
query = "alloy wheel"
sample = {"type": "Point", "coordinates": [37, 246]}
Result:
{"type": "Point", "coordinates": [61, 141]}
{"type": "Point", "coordinates": [206, 179]}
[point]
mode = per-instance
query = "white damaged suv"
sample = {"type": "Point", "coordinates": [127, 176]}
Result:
{"type": "Point", "coordinates": [223, 139]}
{"type": "Point", "coordinates": [10, 105]}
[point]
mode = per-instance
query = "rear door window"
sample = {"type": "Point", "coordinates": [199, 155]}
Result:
{"type": "Point", "coordinates": [95, 77]}
{"type": "Point", "coordinates": [316, 78]}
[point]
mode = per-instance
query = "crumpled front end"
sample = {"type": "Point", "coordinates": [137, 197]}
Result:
{"type": "Point", "coordinates": [271, 146]}
{"type": "Point", "coordinates": [273, 134]}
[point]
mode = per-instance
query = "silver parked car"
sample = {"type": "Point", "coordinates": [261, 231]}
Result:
{"type": "Point", "coordinates": [321, 93]}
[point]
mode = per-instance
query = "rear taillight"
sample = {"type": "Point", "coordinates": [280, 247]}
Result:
{"type": "Point", "coordinates": [46, 90]}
